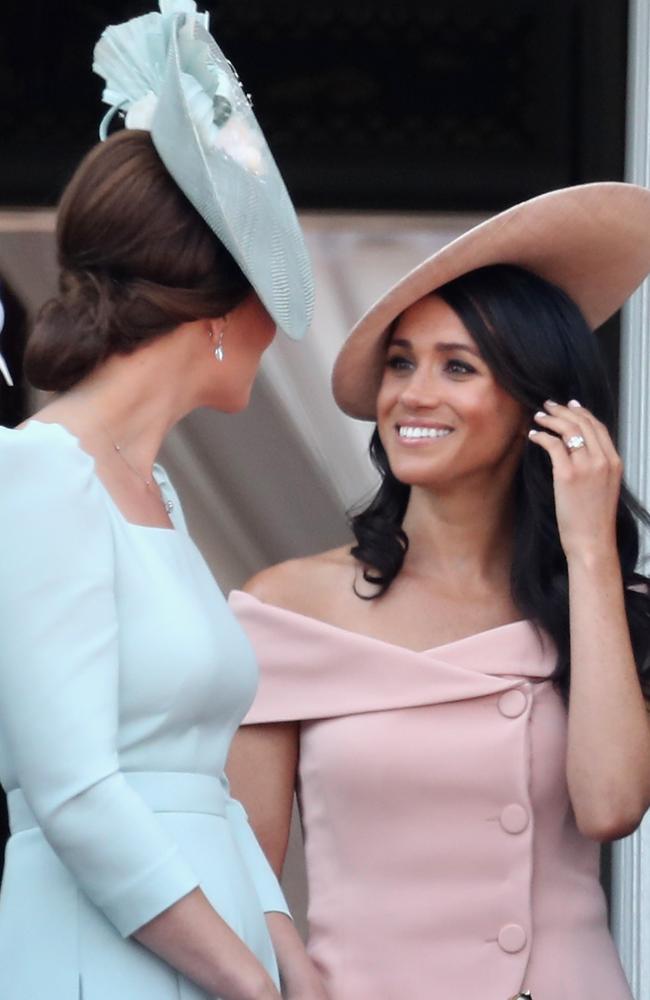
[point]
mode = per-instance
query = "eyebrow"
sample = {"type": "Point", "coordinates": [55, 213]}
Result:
{"type": "Point", "coordinates": [442, 346]}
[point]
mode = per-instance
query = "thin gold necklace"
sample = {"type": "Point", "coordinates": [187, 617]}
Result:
{"type": "Point", "coordinates": [150, 484]}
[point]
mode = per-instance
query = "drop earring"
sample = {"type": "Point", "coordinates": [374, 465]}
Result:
{"type": "Point", "coordinates": [218, 351]}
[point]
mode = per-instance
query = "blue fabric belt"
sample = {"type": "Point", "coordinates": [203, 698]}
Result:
{"type": "Point", "coordinates": [163, 791]}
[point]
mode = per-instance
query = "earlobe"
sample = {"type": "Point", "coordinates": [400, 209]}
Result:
{"type": "Point", "coordinates": [217, 326]}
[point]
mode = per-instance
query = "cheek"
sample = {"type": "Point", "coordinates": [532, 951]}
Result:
{"type": "Point", "coordinates": [263, 326]}
{"type": "Point", "coordinates": [262, 337]}
{"type": "Point", "coordinates": [504, 416]}
{"type": "Point", "coordinates": [271, 331]}
{"type": "Point", "coordinates": [254, 343]}
{"type": "Point", "coordinates": [386, 397]}
{"type": "Point", "coordinates": [232, 390]}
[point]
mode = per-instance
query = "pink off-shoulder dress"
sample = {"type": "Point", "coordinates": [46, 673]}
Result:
{"type": "Point", "coordinates": [443, 857]}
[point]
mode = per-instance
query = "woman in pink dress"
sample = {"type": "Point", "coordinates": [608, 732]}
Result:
{"type": "Point", "coordinates": [459, 697]}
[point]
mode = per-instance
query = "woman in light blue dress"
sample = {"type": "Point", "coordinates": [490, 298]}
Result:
{"type": "Point", "coordinates": [130, 871]}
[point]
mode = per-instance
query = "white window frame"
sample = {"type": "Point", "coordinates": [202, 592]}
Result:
{"type": "Point", "coordinates": [631, 857]}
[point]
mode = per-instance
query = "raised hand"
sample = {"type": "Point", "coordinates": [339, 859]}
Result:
{"type": "Point", "coordinates": [587, 472]}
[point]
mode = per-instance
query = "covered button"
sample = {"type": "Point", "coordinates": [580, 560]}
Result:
{"type": "Point", "coordinates": [514, 818]}
{"type": "Point", "coordinates": [512, 703]}
{"type": "Point", "coordinates": [512, 938]}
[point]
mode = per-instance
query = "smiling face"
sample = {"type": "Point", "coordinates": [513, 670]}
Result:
{"type": "Point", "coordinates": [441, 415]}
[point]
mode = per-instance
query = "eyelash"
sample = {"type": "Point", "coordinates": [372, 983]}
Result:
{"type": "Point", "coordinates": [454, 366]}
{"type": "Point", "coordinates": [463, 366]}
{"type": "Point", "coordinates": [397, 362]}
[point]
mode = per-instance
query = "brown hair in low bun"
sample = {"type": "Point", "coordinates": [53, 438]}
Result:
{"type": "Point", "coordinates": [136, 261]}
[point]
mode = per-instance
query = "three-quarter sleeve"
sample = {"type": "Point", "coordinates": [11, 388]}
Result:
{"type": "Point", "coordinates": [264, 878]}
{"type": "Point", "coordinates": [59, 680]}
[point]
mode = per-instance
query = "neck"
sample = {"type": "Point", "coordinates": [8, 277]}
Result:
{"type": "Point", "coordinates": [132, 400]}
{"type": "Point", "coordinates": [464, 535]}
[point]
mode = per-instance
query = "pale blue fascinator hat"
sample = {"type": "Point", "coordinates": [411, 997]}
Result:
{"type": "Point", "coordinates": [167, 75]}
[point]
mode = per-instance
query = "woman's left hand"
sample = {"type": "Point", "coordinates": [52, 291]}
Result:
{"type": "Point", "coordinates": [298, 975]}
{"type": "Point", "coordinates": [587, 473]}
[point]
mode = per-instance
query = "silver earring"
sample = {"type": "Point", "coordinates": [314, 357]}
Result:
{"type": "Point", "coordinates": [219, 351]}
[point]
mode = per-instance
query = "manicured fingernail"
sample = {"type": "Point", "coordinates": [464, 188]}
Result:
{"type": "Point", "coordinates": [550, 402]}
{"type": "Point", "coordinates": [574, 403]}
{"type": "Point", "coordinates": [532, 433]}
{"type": "Point", "coordinates": [540, 415]}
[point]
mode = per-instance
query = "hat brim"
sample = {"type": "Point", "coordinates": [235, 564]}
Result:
{"type": "Point", "coordinates": [593, 241]}
{"type": "Point", "coordinates": [250, 212]}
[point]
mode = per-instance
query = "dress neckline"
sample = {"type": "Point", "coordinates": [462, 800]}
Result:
{"type": "Point", "coordinates": [158, 474]}
{"type": "Point", "coordinates": [238, 595]}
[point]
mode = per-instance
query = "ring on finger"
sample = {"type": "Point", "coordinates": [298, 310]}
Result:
{"type": "Point", "coordinates": [575, 442]}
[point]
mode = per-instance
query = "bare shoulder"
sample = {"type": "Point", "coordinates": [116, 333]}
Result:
{"type": "Point", "coordinates": [308, 585]}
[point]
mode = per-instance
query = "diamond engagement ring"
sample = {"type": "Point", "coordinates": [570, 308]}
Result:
{"type": "Point", "coordinates": [575, 442]}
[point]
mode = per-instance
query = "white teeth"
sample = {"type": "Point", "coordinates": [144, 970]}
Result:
{"type": "Point", "coordinates": [428, 432]}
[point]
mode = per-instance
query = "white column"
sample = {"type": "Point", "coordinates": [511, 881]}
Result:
{"type": "Point", "coordinates": [631, 857]}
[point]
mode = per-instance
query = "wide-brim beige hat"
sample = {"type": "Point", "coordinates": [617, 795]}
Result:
{"type": "Point", "coordinates": [593, 241]}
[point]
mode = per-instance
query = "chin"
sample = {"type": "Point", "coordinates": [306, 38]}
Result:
{"type": "Point", "coordinates": [431, 483]}
{"type": "Point", "coordinates": [415, 471]}
{"type": "Point", "coordinates": [233, 401]}
{"type": "Point", "coordinates": [229, 405]}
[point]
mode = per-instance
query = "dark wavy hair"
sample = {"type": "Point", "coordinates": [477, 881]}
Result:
{"type": "Point", "coordinates": [538, 346]}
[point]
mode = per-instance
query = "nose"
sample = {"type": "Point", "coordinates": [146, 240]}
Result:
{"type": "Point", "coordinates": [421, 390]}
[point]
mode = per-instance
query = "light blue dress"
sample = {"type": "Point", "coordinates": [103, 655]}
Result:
{"type": "Point", "coordinates": [123, 677]}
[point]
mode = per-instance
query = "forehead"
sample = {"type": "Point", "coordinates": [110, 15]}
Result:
{"type": "Point", "coordinates": [428, 320]}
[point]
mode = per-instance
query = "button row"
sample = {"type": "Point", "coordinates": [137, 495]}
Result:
{"type": "Point", "coordinates": [514, 819]}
